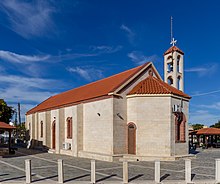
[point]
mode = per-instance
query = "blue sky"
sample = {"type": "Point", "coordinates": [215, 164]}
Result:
{"type": "Point", "coordinates": [47, 47]}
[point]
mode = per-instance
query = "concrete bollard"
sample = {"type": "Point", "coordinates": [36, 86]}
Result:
{"type": "Point", "coordinates": [157, 171]}
{"type": "Point", "coordinates": [28, 170]}
{"type": "Point", "coordinates": [93, 171]}
{"type": "Point", "coordinates": [60, 171]}
{"type": "Point", "coordinates": [217, 170]}
{"type": "Point", "coordinates": [125, 172]}
{"type": "Point", "coordinates": [188, 170]}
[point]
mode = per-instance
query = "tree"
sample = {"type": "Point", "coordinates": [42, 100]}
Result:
{"type": "Point", "coordinates": [197, 126]}
{"type": "Point", "coordinates": [216, 125]}
{"type": "Point", "coordinates": [6, 112]}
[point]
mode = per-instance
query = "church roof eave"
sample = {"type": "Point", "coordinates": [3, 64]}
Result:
{"type": "Point", "coordinates": [172, 49]}
{"type": "Point", "coordinates": [152, 85]}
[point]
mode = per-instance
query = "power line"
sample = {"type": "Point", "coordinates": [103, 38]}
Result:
{"type": "Point", "coordinates": [207, 93]}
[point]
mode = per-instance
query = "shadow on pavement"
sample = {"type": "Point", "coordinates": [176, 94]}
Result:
{"type": "Point", "coordinates": [8, 179]}
{"type": "Point", "coordinates": [105, 178]}
{"type": "Point", "coordinates": [49, 177]}
{"type": "Point", "coordinates": [78, 177]}
{"type": "Point", "coordinates": [164, 177]}
{"type": "Point", "coordinates": [135, 177]}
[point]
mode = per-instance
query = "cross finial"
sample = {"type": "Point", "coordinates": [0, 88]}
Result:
{"type": "Point", "coordinates": [172, 40]}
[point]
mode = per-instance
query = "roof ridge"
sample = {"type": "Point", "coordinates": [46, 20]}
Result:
{"type": "Point", "coordinates": [140, 68]}
{"type": "Point", "coordinates": [88, 91]}
{"type": "Point", "coordinates": [91, 83]}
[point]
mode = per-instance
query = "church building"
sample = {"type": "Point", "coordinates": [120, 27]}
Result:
{"type": "Point", "coordinates": [133, 114]}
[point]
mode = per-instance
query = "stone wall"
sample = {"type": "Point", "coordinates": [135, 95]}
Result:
{"type": "Point", "coordinates": [98, 126]}
{"type": "Point", "coordinates": [151, 115]}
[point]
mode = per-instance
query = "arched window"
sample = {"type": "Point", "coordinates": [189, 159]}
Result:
{"type": "Point", "coordinates": [170, 80]}
{"type": "Point", "coordinates": [178, 83]}
{"type": "Point", "coordinates": [178, 63]}
{"type": "Point", "coordinates": [131, 138]}
{"type": "Point", "coordinates": [41, 129]}
{"type": "Point", "coordinates": [170, 67]}
{"type": "Point", "coordinates": [69, 128]}
{"type": "Point", "coordinates": [180, 126]}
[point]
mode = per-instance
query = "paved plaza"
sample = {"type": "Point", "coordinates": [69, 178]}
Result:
{"type": "Point", "coordinates": [44, 168]}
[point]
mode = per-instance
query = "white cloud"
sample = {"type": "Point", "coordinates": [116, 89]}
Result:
{"type": "Point", "coordinates": [204, 70]}
{"type": "Point", "coordinates": [27, 90]}
{"type": "Point", "coordinates": [129, 32]}
{"type": "Point", "coordinates": [196, 69]}
{"type": "Point", "coordinates": [105, 49]}
{"type": "Point", "coordinates": [87, 73]}
{"type": "Point", "coordinates": [203, 117]}
{"type": "Point", "coordinates": [215, 105]}
{"type": "Point", "coordinates": [127, 29]}
{"type": "Point", "coordinates": [26, 82]}
{"type": "Point", "coordinates": [139, 58]}
{"type": "Point", "coordinates": [28, 18]}
{"type": "Point", "coordinates": [18, 58]}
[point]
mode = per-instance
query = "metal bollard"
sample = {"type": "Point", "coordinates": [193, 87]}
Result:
{"type": "Point", "coordinates": [157, 171]}
{"type": "Point", "coordinates": [217, 170]}
{"type": "Point", "coordinates": [28, 170]}
{"type": "Point", "coordinates": [60, 171]}
{"type": "Point", "coordinates": [93, 171]}
{"type": "Point", "coordinates": [188, 171]}
{"type": "Point", "coordinates": [125, 172]}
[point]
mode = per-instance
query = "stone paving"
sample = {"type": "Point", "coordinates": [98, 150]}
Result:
{"type": "Point", "coordinates": [44, 168]}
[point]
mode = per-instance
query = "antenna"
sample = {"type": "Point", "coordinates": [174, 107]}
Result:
{"type": "Point", "coordinates": [172, 40]}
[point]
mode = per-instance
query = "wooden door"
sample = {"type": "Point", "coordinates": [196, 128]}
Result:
{"type": "Point", "coordinates": [54, 135]}
{"type": "Point", "coordinates": [131, 139]}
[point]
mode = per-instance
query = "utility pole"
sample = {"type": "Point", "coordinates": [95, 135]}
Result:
{"type": "Point", "coordinates": [19, 113]}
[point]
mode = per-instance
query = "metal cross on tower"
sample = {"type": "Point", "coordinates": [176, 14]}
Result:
{"type": "Point", "coordinates": [173, 41]}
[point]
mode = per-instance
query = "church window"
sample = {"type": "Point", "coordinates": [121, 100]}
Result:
{"type": "Point", "coordinates": [180, 125]}
{"type": "Point", "coordinates": [41, 129]}
{"type": "Point", "coordinates": [69, 128]}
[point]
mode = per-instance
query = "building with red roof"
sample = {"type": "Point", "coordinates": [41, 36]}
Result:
{"type": "Point", "coordinates": [133, 113]}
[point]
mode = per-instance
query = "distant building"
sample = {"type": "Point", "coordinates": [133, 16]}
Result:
{"type": "Point", "coordinates": [131, 114]}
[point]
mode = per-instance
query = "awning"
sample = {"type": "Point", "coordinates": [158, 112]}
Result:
{"type": "Point", "coordinates": [208, 131]}
{"type": "Point", "coordinates": [5, 126]}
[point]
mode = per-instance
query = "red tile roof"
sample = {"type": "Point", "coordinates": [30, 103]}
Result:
{"type": "Point", "coordinates": [208, 131]}
{"type": "Point", "coordinates": [173, 48]}
{"type": "Point", "coordinates": [152, 85]}
{"type": "Point", "coordinates": [5, 126]}
{"type": "Point", "coordinates": [90, 91]}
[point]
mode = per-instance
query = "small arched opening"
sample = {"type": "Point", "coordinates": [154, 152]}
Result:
{"type": "Point", "coordinates": [69, 128]}
{"type": "Point", "coordinates": [41, 129]}
{"type": "Point", "coordinates": [170, 80]}
{"type": "Point", "coordinates": [131, 138]}
{"type": "Point", "coordinates": [54, 134]}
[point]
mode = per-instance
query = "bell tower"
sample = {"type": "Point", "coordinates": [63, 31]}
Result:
{"type": "Point", "coordinates": [173, 65]}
